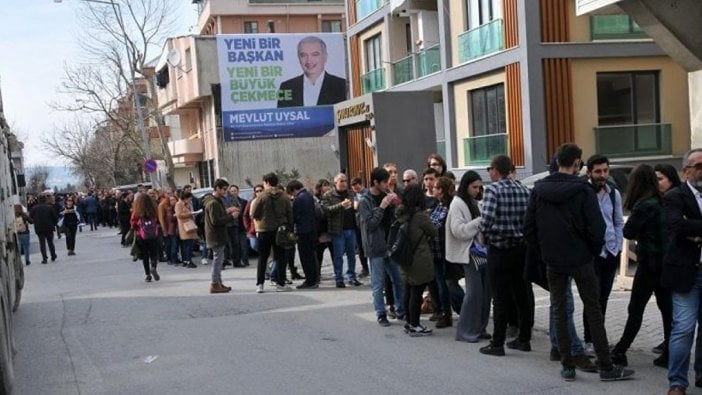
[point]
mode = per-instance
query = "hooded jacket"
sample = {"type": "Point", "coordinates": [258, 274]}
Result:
{"type": "Point", "coordinates": [564, 222]}
{"type": "Point", "coordinates": [216, 220]}
{"type": "Point", "coordinates": [271, 210]}
{"type": "Point", "coordinates": [421, 231]}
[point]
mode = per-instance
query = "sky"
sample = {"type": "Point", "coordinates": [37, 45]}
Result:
{"type": "Point", "coordinates": [37, 37]}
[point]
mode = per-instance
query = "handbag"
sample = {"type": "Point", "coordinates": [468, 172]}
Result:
{"type": "Point", "coordinates": [190, 226]}
{"type": "Point", "coordinates": [285, 237]}
{"type": "Point", "coordinates": [478, 254]}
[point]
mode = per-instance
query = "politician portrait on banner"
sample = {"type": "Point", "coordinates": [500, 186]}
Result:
{"type": "Point", "coordinates": [280, 85]}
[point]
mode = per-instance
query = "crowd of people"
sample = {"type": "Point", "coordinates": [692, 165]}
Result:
{"type": "Point", "coordinates": [426, 231]}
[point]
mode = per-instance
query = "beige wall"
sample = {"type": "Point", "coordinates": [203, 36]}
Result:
{"type": "Point", "coordinates": [457, 23]}
{"type": "Point", "coordinates": [695, 81]}
{"type": "Point", "coordinates": [461, 103]}
{"type": "Point", "coordinates": [397, 43]}
{"type": "Point", "coordinates": [673, 86]}
{"type": "Point", "coordinates": [283, 23]}
{"type": "Point", "coordinates": [579, 25]}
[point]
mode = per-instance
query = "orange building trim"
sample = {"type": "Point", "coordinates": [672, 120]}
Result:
{"type": "Point", "coordinates": [511, 23]}
{"type": "Point", "coordinates": [558, 95]}
{"type": "Point", "coordinates": [514, 114]}
{"type": "Point", "coordinates": [554, 21]}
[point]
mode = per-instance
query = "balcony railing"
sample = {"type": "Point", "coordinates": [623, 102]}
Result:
{"type": "Point", "coordinates": [373, 80]}
{"type": "Point", "coordinates": [367, 7]}
{"type": "Point", "coordinates": [615, 27]}
{"type": "Point", "coordinates": [481, 41]}
{"type": "Point", "coordinates": [417, 65]}
{"type": "Point", "coordinates": [634, 140]}
{"type": "Point", "coordinates": [403, 70]}
{"type": "Point", "coordinates": [481, 149]}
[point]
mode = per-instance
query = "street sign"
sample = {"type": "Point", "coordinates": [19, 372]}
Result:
{"type": "Point", "coordinates": [150, 166]}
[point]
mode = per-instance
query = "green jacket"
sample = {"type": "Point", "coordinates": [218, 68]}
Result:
{"type": "Point", "coordinates": [216, 220]}
{"type": "Point", "coordinates": [334, 211]}
{"type": "Point", "coordinates": [421, 232]}
{"type": "Point", "coordinates": [271, 210]}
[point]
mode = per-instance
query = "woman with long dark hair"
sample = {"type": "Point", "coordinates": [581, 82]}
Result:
{"type": "Point", "coordinates": [667, 177]}
{"type": "Point", "coordinates": [462, 228]}
{"type": "Point", "coordinates": [69, 219]}
{"type": "Point", "coordinates": [645, 225]}
{"type": "Point", "coordinates": [323, 237]}
{"type": "Point", "coordinates": [144, 221]}
{"type": "Point", "coordinates": [420, 271]}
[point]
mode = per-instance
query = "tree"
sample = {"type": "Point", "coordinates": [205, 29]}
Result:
{"type": "Point", "coordinates": [37, 180]}
{"type": "Point", "coordinates": [117, 41]}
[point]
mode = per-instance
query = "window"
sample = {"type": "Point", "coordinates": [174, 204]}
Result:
{"type": "Point", "coordinates": [628, 98]}
{"type": "Point", "coordinates": [188, 60]}
{"type": "Point", "coordinates": [408, 38]}
{"type": "Point", "coordinates": [271, 27]}
{"type": "Point", "coordinates": [250, 27]}
{"type": "Point", "coordinates": [331, 26]}
{"type": "Point", "coordinates": [373, 50]}
{"type": "Point", "coordinates": [487, 109]}
{"type": "Point", "coordinates": [481, 12]}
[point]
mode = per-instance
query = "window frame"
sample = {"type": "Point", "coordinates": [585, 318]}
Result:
{"type": "Point", "coordinates": [500, 113]}
{"type": "Point", "coordinates": [634, 96]}
{"type": "Point", "coordinates": [373, 45]}
{"type": "Point", "coordinates": [251, 27]}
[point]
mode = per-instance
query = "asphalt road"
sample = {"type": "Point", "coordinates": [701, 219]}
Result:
{"type": "Point", "coordinates": [89, 324]}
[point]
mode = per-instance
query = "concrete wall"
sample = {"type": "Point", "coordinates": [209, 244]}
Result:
{"type": "Point", "coordinates": [673, 97]}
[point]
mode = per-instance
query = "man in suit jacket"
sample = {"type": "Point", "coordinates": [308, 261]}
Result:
{"type": "Point", "coordinates": [315, 86]}
{"type": "Point", "coordinates": [681, 267]}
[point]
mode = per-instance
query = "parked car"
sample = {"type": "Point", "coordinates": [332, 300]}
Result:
{"type": "Point", "coordinates": [618, 174]}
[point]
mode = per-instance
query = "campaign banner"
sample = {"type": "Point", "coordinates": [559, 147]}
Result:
{"type": "Point", "coordinates": [280, 85]}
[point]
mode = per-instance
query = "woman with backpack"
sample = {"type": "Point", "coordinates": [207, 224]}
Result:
{"type": "Point", "coordinates": [419, 270]}
{"type": "Point", "coordinates": [462, 225]}
{"type": "Point", "coordinates": [144, 221]}
{"type": "Point", "coordinates": [68, 222]}
{"type": "Point", "coordinates": [22, 222]}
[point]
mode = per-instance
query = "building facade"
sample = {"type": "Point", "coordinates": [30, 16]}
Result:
{"type": "Point", "coordinates": [189, 94]}
{"type": "Point", "coordinates": [521, 77]}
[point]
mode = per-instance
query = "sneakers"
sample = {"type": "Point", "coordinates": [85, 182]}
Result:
{"type": "Point", "coordinates": [306, 285]}
{"type": "Point", "coordinates": [53, 258]}
{"type": "Point", "coordinates": [444, 321]}
{"type": "Point", "coordinates": [616, 374]}
{"type": "Point", "coordinates": [204, 261]}
{"type": "Point", "coordinates": [589, 349]}
{"type": "Point", "coordinates": [340, 284]}
{"type": "Point", "coordinates": [191, 265]}
{"type": "Point", "coordinates": [520, 345]}
{"type": "Point", "coordinates": [383, 321]}
{"type": "Point", "coordinates": [364, 274]}
{"type": "Point", "coordinates": [148, 279]}
{"type": "Point", "coordinates": [391, 312]}
{"type": "Point", "coordinates": [71, 252]}
{"type": "Point", "coordinates": [259, 289]}
{"type": "Point", "coordinates": [659, 348]}
{"type": "Point", "coordinates": [418, 331]}
{"type": "Point", "coordinates": [155, 274]}
{"type": "Point", "coordinates": [218, 288]}
{"type": "Point", "coordinates": [568, 374]}
{"type": "Point", "coordinates": [485, 336]}
{"type": "Point", "coordinates": [491, 349]}
{"type": "Point", "coordinates": [619, 358]}
{"type": "Point", "coordinates": [661, 361]}
{"type": "Point", "coordinates": [584, 364]}
{"type": "Point", "coordinates": [282, 288]}
{"type": "Point", "coordinates": [355, 283]}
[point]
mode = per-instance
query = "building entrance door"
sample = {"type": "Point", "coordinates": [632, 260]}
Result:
{"type": "Point", "coordinates": [361, 158]}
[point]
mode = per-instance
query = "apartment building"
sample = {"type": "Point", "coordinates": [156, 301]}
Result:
{"type": "Point", "coordinates": [189, 94]}
{"type": "Point", "coordinates": [516, 77]}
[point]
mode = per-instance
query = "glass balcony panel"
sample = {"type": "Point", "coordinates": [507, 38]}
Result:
{"type": "Point", "coordinates": [481, 41]}
{"type": "Point", "coordinates": [366, 7]}
{"type": "Point", "coordinates": [403, 70]}
{"type": "Point", "coordinates": [613, 27]}
{"type": "Point", "coordinates": [373, 81]}
{"type": "Point", "coordinates": [634, 140]}
{"type": "Point", "coordinates": [428, 61]}
{"type": "Point", "coordinates": [481, 149]}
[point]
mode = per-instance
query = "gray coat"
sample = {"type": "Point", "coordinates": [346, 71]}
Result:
{"type": "Point", "coordinates": [370, 221]}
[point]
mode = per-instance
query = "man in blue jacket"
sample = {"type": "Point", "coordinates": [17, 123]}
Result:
{"type": "Point", "coordinates": [305, 228]}
{"type": "Point", "coordinates": [91, 209]}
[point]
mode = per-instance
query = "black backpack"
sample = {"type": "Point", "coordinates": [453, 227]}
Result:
{"type": "Point", "coordinates": [400, 248]}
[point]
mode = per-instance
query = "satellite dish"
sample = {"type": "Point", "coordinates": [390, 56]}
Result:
{"type": "Point", "coordinates": [173, 57]}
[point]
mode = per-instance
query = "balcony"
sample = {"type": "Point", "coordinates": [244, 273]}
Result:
{"type": "Point", "coordinates": [425, 62]}
{"type": "Point", "coordinates": [367, 7]}
{"type": "Point", "coordinates": [185, 151]}
{"type": "Point", "coordinates": [634, 140]}
{"type": "Point", "coordinates": [481, 41]}
{"type": "Point", "coordinates": [480, 150]}
{"type": "Point", "coordinates": [373, 81]}
{"type": "Point", "coordinates": [615, 27]}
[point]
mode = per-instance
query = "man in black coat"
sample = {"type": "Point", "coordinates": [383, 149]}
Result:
{"type": "Point", "coordinates": [681, 267]}
{"type": "Point", "coordinates": [304, 219]}
{"type": "Point", "coordinates": [563, 219]}
{"type": "Point", "coordinates": [315, 86]}
{"type": "Point", "coordinates": [45, 218]}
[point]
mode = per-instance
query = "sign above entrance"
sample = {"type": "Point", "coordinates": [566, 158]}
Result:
{"type": "Point", "coordinates": [280, 85]}
{"type": "Point", "coordinates": [354, 111]}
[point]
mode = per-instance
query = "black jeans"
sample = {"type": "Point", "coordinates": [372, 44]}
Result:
{"type": "Point", "coordinates": [320, 253]}
{"type": "Point", "coordinates": [150, 250]}
{"type": "Point", "coordinates": [233, 247]}
{"type": "Point", "coordinates": [646, 282]}
{"type": "Point", "coordinates": [389, 295]}
{"type": "Point", "coordinates": [361, 255]}
{"type": "Point", "coordinates": [305, 248]}
{"type": "Point", "coordinates": [584, 277]}
{"type": "Point", "coordinates": [71, 236]}
{"type": "Point", "coordinates": [266, 243]}
{"type": "Point", "coordinates": [506, 273]}
{"type": "Point", "coordinates": [413, 301]}
{"type": "Point", "coordinates": [605, 270]}
{"type": "Point", "coordinates": [44, 239]}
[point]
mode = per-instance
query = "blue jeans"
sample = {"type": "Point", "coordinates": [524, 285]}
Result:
{"type": "Point", "coordinates": [379, 266]}
{"type": "Point", "coordinates": [24, 242]}
{"type": "Point", "coordinates": [187, 253]}
{"type": "Point", "coordinates": [576, 346]}
{"type": "Point", "coordinates": [686, 312]}
{"type": "Point", "coordinates": [253, 242]}
{"type": "Point", "coordinates": [172, 248]}
{"type": "Point", "coordinates": [344, 242]}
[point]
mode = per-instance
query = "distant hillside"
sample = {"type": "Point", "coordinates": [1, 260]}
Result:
{"type": "Point", "coordinates": [59, 176]}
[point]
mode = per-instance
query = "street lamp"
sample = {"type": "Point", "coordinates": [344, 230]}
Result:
{"type": "Point", "coordinates": [140, 118]}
